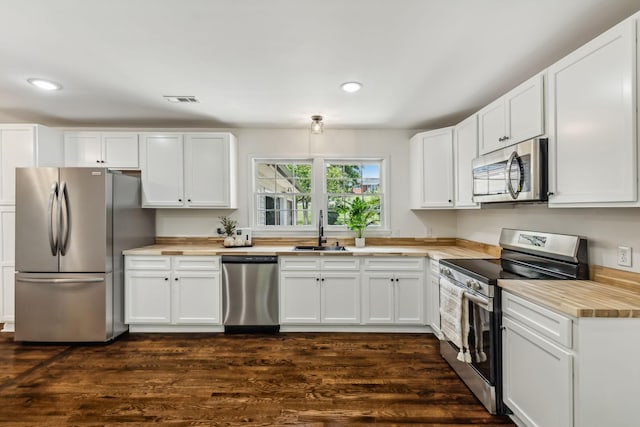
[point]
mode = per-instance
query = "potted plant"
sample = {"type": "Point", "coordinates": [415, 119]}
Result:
{"type": "Point", "coordinates": [229, 227]}
{"type": "Point", "coordinates": [359, 215]}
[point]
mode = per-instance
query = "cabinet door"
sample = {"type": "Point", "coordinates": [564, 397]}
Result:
{"type": "Point", "coordinates": [592, 138]}
{"type": "Point", "coordinates": [435, 174]}
{"type": "Point", "coordinates": [82, 149]}
{"type": "Point", "coordinates": [525, 110]}
{"type": "Point", "coordinates": [16, 150]}
{"type": "Point", "coordinates": [207, 171]}
{"type": "Point", "coordinates": [161, 166]}
{"type": "Point", "coordinates": [340, 298]}
{"type": "Point", "coordinates": [7, 264]}
{"type": "Point", "coordinates": [378, 298]}
{"type": "Point", "coordinates": [299, 298]}
{"type": "Point", "coordinates": [537, 377]}
{"type": "Point", "coordinates": [409, 298]}
{"type": "Point", "coordinates": [120, 150]}
{"type": "Point", "coordinates": [196, 298]}
{"type": "Point", "coordinates": [492, 129]}
{"type": "Point", "coordinates": [147, 297]}
{"type": "Point", "coordinates": [465, 149]}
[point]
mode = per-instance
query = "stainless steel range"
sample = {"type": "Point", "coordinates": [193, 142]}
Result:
{"type": "Point", "coordinates": [525, 254]}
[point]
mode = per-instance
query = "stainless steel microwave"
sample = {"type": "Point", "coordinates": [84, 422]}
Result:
{"type": "Point", "coordinates": [514, 174]}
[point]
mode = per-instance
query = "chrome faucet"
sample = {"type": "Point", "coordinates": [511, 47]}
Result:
{"type": "Point", "coordinates": [321, 238]}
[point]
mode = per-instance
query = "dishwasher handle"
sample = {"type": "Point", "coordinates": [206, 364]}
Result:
{"type": "Point", "coordinates": [249, 259]}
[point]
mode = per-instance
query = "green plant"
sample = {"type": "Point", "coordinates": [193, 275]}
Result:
{"type": "Point", "coordinates": [229, 225]}
{"type": "Point", "coordinates": [359, 215]}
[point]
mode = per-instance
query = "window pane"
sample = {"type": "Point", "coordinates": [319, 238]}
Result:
{"type": "Point", "coordinates": [283, 193]}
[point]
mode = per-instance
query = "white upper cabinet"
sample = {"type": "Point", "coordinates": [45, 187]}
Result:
{"type": "Point", "coordinates": [194, 170]}
{"type": "Point", "coordinates": [515, 117]}
{"type": "Point", "coordinates": [26, 145]}
{"type": "Point", "coordinates": [431, 169]}
{"type": "Point", "coordinates": [465, 149]}
{"type": "Point", "coordinates": [162, 173]}
{"type": "Point", "coordinates": [118, 150]}
{"type": "Point", "coordinates": [593, 157]}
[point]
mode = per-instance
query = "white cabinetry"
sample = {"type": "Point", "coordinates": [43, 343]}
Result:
{"type": "Point", "coordinates": [465, 149]}
{"type": "Point", "coordinates": [118, 150]}
{"type": "Point", "coordinates": [431, 169]}
{"type": "Point", "coordinates": [193, 170]}
{"type": "Point", "coordinates": [21, 145]}
{"type": "Point", "coordinates": [593, 155]}
{"type": "Point", "coordinates": [393, 290]}
{"type": "Point", "coordinates": [513, 118]}
{"type": "Point", "coordinates": [565, 371]}
{"type": "Point", "coordinates": [433, 297]}
{"type": "Point", "coordinates": [319, 290]}
{"type": "Point", "coordinates": [537, 369]}
{"type": "Point", "coordinates": [162, 292]}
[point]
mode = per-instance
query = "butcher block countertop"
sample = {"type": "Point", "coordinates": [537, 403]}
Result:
{"type": "Point", "coordinates": [578, 298]}
{"type": "Point", "coordinates": [436, 252]}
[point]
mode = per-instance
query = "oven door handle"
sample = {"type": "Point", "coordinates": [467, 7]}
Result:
{"type": "Point", "coordinates": [482, 302]}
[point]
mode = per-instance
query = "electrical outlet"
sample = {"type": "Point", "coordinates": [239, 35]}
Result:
{"type": "Point", "coordinates": [624, 256]}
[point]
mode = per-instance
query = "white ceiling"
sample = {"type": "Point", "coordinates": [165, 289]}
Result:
{"type": "Point", "coordinates": [274, 63]}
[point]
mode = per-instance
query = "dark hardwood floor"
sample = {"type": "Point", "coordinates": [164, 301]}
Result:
{"type": "Point", "coordinates": [216, 379]}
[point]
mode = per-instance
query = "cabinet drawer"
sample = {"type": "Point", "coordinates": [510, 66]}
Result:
{"type": "Point", "coordinates": [341, 263]}
{"type": "Point", "coordinates": [148, 263]}
{"type": "Point", "coordinates": [547, 323]}
{"type": "Point", "coordinates": [394, 263]}
{"type": "Point", "coordinates": [300, 263]}
{"type": "Point", "coordinates": [199, 263]}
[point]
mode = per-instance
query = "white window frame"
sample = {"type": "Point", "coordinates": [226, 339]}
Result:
{"type": "Point", "coordinates": [254, 193]}
{"type": "Point", "coordinates": [381, 229]}
{"type": "Point", "coordinates": [318, 197]}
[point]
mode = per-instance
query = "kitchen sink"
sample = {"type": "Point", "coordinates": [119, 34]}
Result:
{"type": "Point", "coordinates": [319, 248]}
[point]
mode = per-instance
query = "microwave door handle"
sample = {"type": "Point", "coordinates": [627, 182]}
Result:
{"type": "Point", "coordinates": [514, 193]}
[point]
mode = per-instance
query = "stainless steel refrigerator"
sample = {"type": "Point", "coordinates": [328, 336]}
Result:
{"type": "Point", "coordinates": [72, 225]}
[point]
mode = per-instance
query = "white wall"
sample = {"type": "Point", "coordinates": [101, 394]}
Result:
{"type": "Point", "coordinates": [392, 144]}
{"type": "Point", "coordinates": [605, 228]}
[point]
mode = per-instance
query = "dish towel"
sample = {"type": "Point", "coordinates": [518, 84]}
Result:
{"type": "Point", "coordinates": [478, 327]}
{"type": "Point", "coordinates": [454, 318]}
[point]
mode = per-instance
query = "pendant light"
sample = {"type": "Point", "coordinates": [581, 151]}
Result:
{"type": "Point", "coordinates": [316, 124]}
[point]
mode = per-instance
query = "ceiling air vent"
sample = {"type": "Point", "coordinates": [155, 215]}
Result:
{"type": "Point", "coordinates": [181, 99]}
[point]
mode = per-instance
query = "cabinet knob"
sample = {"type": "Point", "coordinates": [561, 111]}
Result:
{"type": "Point", "coordinates": [549, 193]}
{"type": "Point", "coordinates": [189, 200]}
{"type": "Point", "coordinates": [166, 278]}
{"type": "Point", "coordinates": [397, 280]}
{"type": "Point", "coordinates": [317, 279]}
{"type": "Point", "coordinates": [391, 280]}
{"type": "Point", "coordinates": [180, 200]}
{"type": "Point", "coordinates": [506, 137]}
{"type": "Point", "coordinates": [101, 161]}
{"type": "Point", "coordinates": [322, 279]}
{"type": "Point", "coordinates": [97, 161]}
{"type": "Point", "coordinates": [176, 279]}
{"type": "Point", "coordinates": [449, 200]}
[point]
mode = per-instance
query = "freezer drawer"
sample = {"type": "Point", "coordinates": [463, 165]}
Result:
{"type": "Point", "coordinates": [64, 307]}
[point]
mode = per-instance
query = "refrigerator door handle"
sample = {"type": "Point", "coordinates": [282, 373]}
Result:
{"type": "Point", "coordinates": [53, 241]}
{"type": "Point", "coordinates": [35, 280]}
{"type": "Point", "coordinates": [63, 219]}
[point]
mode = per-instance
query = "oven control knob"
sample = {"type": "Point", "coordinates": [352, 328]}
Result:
{"type": "Point", "coordinates": [473, 284]}
{"type": "Point", "coordinates": [445, 271]}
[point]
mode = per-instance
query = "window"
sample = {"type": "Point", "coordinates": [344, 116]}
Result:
{"type": "Point", "coordinates": [346, 180]}
{"type": "Point", "coordinates": [283, 193]}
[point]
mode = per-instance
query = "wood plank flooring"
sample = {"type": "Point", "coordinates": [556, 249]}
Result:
{"type": "Point", "coordinates": [217, 379]}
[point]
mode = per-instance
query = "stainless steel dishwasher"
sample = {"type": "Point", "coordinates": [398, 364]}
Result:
{"type": "Point", "coordinates": [250, 293]}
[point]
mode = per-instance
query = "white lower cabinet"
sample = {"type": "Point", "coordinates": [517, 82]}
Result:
{"type": "Point", "coordinates": [393, 290]}
{"type": "Point", "coordinates": [564, 371]}
{"type": "Point", "coordinates": [318, 290]}
{"type": "Point", "coordinates": [172, 290]}
{"type": "Point", "coordinates": [433, 296]}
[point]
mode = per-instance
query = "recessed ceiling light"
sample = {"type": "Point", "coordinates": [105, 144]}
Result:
{"type": "Point", "coordinates": [45, 84]}
{"type": "Point", "coordinates": [351, 87]}
{"type": "Point", "coordinates": [184, 99]}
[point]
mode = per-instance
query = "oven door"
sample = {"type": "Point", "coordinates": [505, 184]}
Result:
{"type": "Point", "coordinates": [483, 374]}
